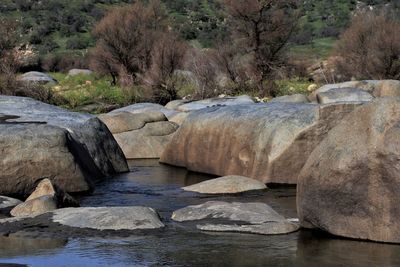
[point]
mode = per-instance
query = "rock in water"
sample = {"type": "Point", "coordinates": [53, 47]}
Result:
{"type": "Point", "coordinates": [8, 203]}
{"type": "Point", "coordinates": [256, 218]}
{"type": "Point", "coordinates": [35, 207]}
{"type": "Point", "coordinates": [350, 185]}
{"type": "Point", "coordinates": [268, 142]}
{"type": "Point", "coordinates": [73, 149]}
{"type": "Point", "coordinates": [46, 188]}
{"type": "Point", "coordinates": [226, 185]}
{"type": "Point", "coordinates": [109, 218]}
{"type": "Point", "coordinates": [140, 135]}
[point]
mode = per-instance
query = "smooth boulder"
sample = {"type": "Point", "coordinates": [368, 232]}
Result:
{"type": "Point", "coordinates": [257, 218]}
{"type": "Point", "coordinates": [31, 131]}
{"type": "Point", "coordinates": [108, 218]}
{"type": "Point", "coordinates": [140, 135]}
{"type": "Point", "coordinates": [35, 207]}
{"type": "Point", "coordinates": [350, 185]}
{"type": "Point", "coordinates": [268, 142]}
{"type": "Point", "coordinates": [46, 188]}
{"type": "Point", "coordinates": [226, 185]}
{"type": "Point", "coordinates": [37, 77]}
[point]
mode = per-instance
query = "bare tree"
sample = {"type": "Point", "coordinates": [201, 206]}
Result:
{"type": "Point", "coordinates": [370, 47]}
{"type": "Point", "coordinates": [167, 57]}
{"type": "Point", "coordinates": [262, 28]}
{"type": "Point", "coordinates": [126, 36]}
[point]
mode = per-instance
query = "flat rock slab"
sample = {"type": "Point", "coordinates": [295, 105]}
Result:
{"type": "Point", "coordinates": [296, 98]}
{"type": "Point", "coordinates": [109, 218]}
{"type": "Point", "coordinates": [244, 217]}
{"type": "Point", "coordinates": [218, 101]}
{"type": "Point", "coordinates": [226, 185]}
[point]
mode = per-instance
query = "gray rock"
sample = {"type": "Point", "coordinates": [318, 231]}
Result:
{"type": "Point", "coordinates": [350, 185]}
{"type": "Point", "coordinates": [268, 228]}
{"type": "Point", "coordinates": [245, 217]}
{"type": "Point", "coordinates": [146, 107]}
{"type": "Point", "coordinates": [226, 185]}
{"type": "Point", "coordinates": [37, 77]}
{"type": "Point", "coordinates": [30, 152]}
{"type": "Point", "coordinates": [109, 218]}
{"type": "Point", "coordinates": [268, 142]}
{"type": "Point", "coordinates": [176, 103]}
{"type": "Point", "coordinates": [35, 207]}
{"type": "Point", "coordinates": [147, 142]}
{"type": "Point", "coordinates": [224, 101]}
{"type": "Point", "coordinates": [8, 203]}
{"type": "Point", "coordinates": [46, 188]}
{"type": "Point", "coordinates": [86, 143]}
{"type": "Point", "coordinates": [125, 121]}
{"type": "Point", "coordinates": [296, 98]}
{"type": "Point", "coordinates": [344, 95]}
{"type": "Point", "coordinates": [75, 72]}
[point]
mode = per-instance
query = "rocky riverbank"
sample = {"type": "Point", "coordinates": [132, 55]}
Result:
{"type": "Point", "coordinates": [339, 145]}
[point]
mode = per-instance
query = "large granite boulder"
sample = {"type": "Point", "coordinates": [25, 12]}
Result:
{"type": "Point", "coordinates": [109, 218]}
{"type": "Point", "coordinates": [268, 142]}
{"type": "Point", "coordinates": [37, 77]}
{"type": "Point", "coordinates": [257, 218]}
{"type": "Point", "coordinates": [226, 185]}
{"type": "Point", "coordinates": [350, 185]}
{"type": "Point", "coordinates": [377, 88]}
{"type": "Point", "coordinates": [38, 140]}
{"type": "Point", "coordinates": [344, 95]}
{"type": "Point", "coordinates": [140, 135]}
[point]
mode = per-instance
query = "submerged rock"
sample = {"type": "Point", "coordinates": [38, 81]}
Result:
{"type": "Point", "coordinates": [256, 218]}
{"type": "Point", "coordinates": [268, 142]}
{"type": "Point", "coordinates": [74, 150]}
{"type": "Point", "coordinates": [109, 218]}
{"type": "Point", "coordinates": [226, 185]}
{"type": "Point", "coordinates": [350, 185]}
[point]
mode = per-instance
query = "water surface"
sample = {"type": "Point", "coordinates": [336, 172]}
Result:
{"type": "Point", "coordinates": [158, 186]}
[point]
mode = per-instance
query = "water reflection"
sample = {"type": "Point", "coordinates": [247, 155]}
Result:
{"type": "Point", "coordinates": [158, 186]}
{"type": "Point", "coordinates": [20, 244]}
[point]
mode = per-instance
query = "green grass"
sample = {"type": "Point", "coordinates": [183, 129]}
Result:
{"type": "Point", "coordinates": [293, 86]}
{"type": "Point", "coordinates": [319, 49]}
{"type": "Point", "coordinates": [81, 90]}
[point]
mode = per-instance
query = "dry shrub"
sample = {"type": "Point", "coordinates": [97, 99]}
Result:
{"type": "Point", "coordinates": [205, 69]}
{"type": "Point", "coordinates": [167, 57]}
{"type": "Point", "coordinates": [370, 48]}
{"type": "Point", "coordinates": [262, 28]}
{"type": "Point", "coordinates": [125, 38]}
{"type": "Point", "coordinates": [64, 62]}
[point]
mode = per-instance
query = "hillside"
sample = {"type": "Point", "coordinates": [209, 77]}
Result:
{"type": "Point", "coordinates": [64, 26]}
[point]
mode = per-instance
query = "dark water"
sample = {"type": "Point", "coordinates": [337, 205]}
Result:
{"type": "Point", "coordinates": [158, 186]}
